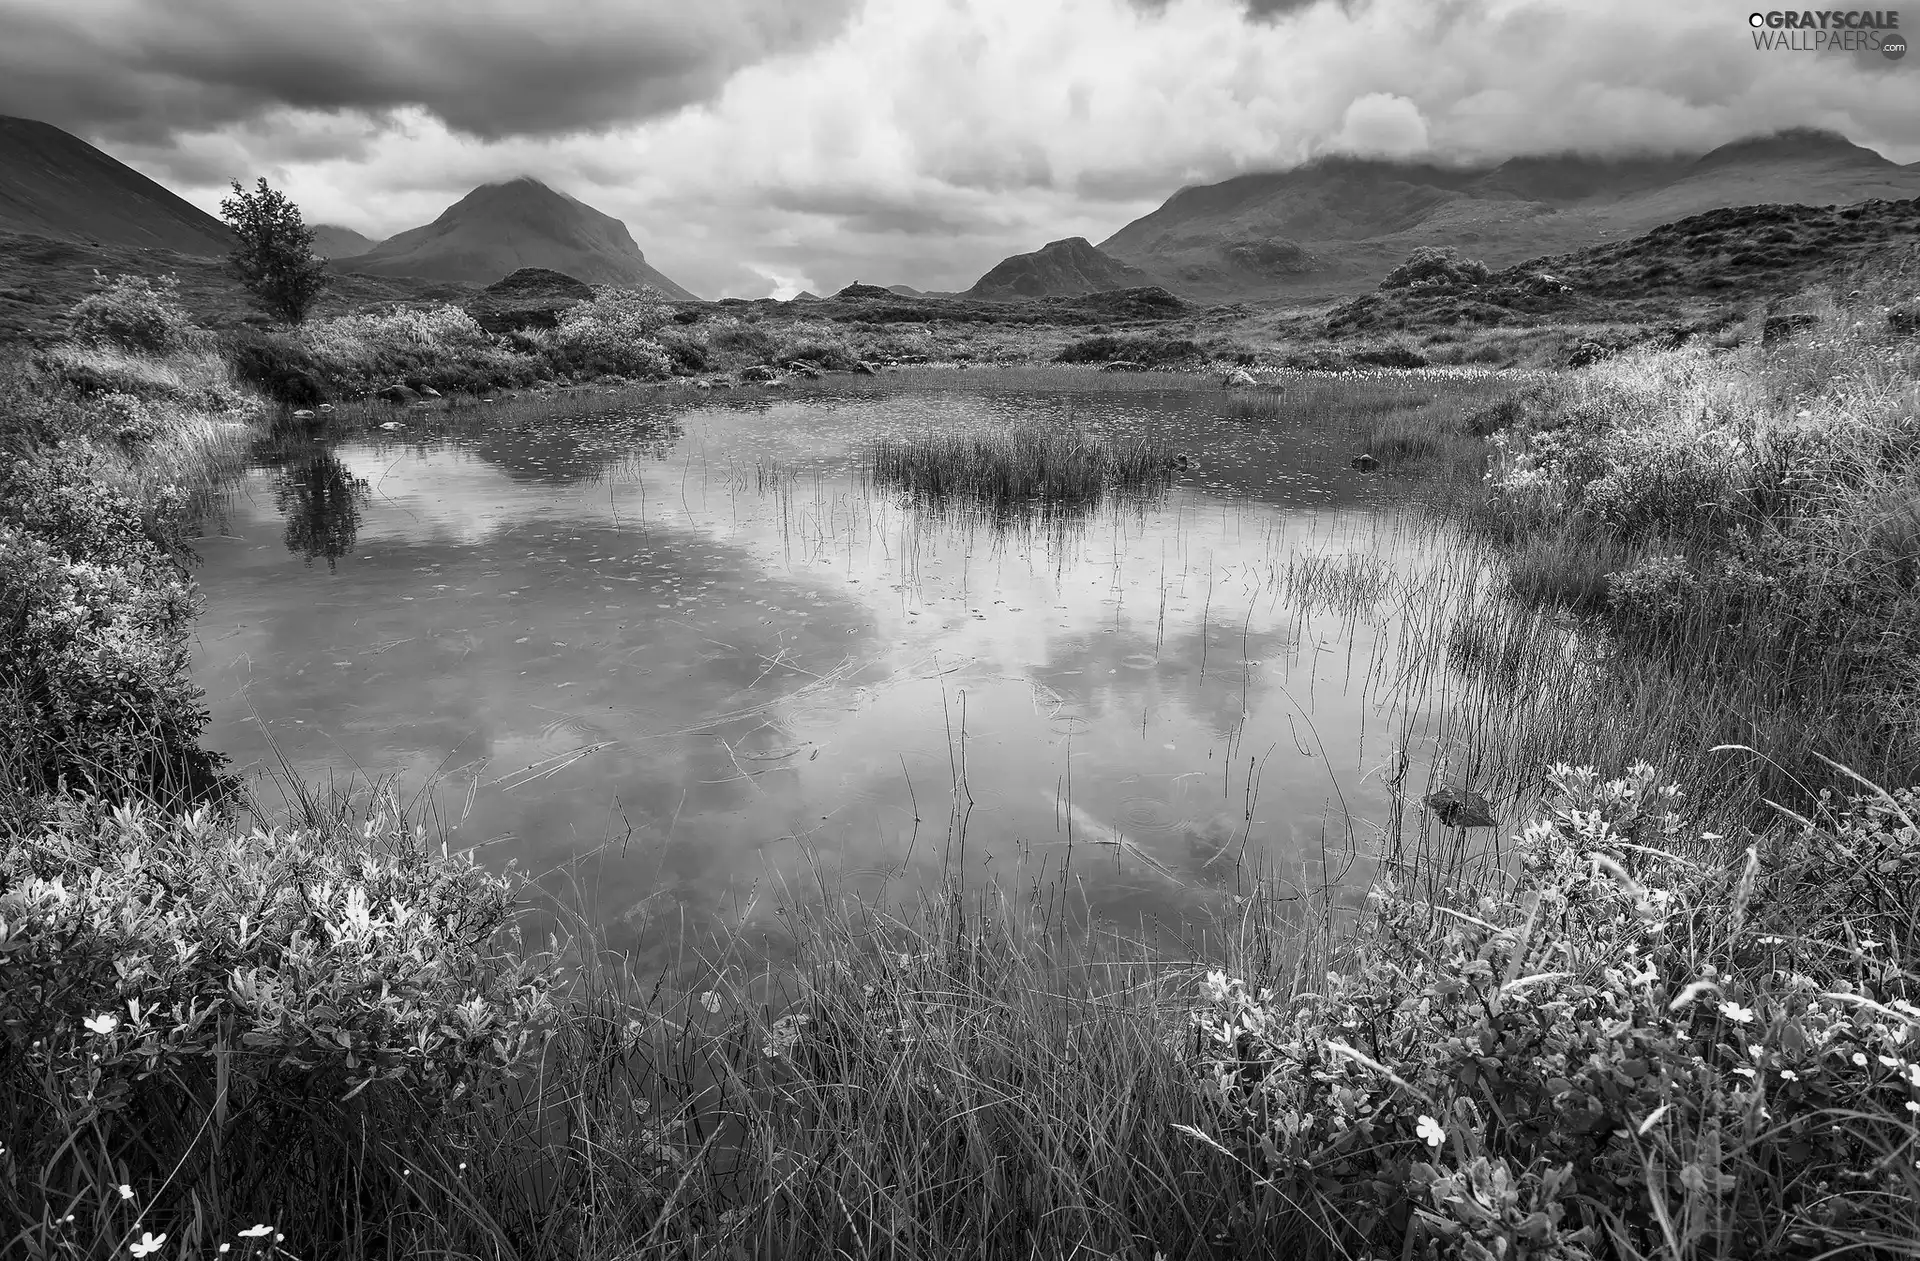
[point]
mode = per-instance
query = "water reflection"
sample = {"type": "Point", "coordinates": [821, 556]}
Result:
{"type": "Point", "coordinates": [704, 635]}
{"type": "Point", "coordinates": [321, 501]}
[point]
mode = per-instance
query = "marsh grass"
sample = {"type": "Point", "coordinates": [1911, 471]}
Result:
{"type": "Point", "coordinates": [1026, 469]}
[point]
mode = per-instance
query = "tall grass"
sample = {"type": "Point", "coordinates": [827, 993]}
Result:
{"type": "Point", "coordinates": [1024, 469]}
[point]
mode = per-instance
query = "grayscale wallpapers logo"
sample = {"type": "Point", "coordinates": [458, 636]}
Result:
{"type": "Point", "coordinates": [1829, 30]}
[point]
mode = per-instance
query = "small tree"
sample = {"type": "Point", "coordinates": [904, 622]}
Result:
{"type": "Point", "coordinates": [275, 258]}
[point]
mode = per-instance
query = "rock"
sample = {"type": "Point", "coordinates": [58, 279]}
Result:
{"type": "Point", "coordinates": [862, 367]}
{"type": "Point", "coordinates": [324, 408]}
{"type": "Point", "coordinates": [1239, 378]}
{"type": "Point", "coordinates": [775, 383]}
{"type": "Point", "coordinates": [1587, 354]}
{"type": "Point", "coordinates": [856, 290]}
{"type": "Point", "coordinates": [397, 394]}
{"type": "Point", "coordinates": [1180, 461]}
{"type": "Point", "coordinates": [303, 414]}
{"type": "Point", "coordinates": [703, 385]}
{"type": "Point", "coordinates": [802, 368]}
{"type": "Point", "coordinates": [1123, 365]}
{"type": "Point", "coordinates": [759, 372]}
{"type": "Point", "coordinates": [1365, 463]}
{"type": "Point", "coordinates": [1462, 809]}
{"type": "Point", "coordinates": [427, 391]}
{"type": "Point", "coordinates": [391, 425]}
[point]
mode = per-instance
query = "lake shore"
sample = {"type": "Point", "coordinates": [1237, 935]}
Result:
{"type": "Point", "coordinates": [1664, 1024]}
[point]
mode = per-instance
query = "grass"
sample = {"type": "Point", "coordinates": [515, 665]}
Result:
{"type": "Point", "coordinates": [1658, 1027]}
{"type": "Point", "coordinates": [1029, 469]}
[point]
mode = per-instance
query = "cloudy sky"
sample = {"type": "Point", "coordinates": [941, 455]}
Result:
{"type": "Point", "coordinates": [761, 146]}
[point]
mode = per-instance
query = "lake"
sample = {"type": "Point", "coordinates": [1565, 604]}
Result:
{"type": "Point", "coordinates": [679, 641]}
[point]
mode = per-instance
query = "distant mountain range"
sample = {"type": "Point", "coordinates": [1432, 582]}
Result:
{"type": "Point", "coordinates": [1339, 224]}
{"type": "Point", "coordinates": [57, 186]}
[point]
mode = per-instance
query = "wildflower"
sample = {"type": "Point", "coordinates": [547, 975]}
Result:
{"type": "Point", "coordinates": [710, 1000]}
{"type": "Point", "coordinates": [1912, 1106]}
{"type": "Point", "coordinates": [126, 1192]}
{"type": "Point", "coordinates": [256, 1232]}
{"type": "Point", "coordinates": [226, 1247]}
{"type": "Point", "coordinates": [149, 1242]}
{"type": "Point", "coordinates": [1431, 1130]}
{"type": "Point", "coordinates": [1789, 1075]}
{"type": "Point", "coordinates": [1736, 1013]}
{"type": "Point", "coordinates": [103, 1024]}
{"type": "Point", "coordinates": [1743, 1072]}
{"type": "Point", "coordinates": [1860, 1059]}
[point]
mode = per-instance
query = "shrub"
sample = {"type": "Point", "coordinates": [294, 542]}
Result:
{"type": "Point", "coordinates": [741, 343]}
{"type": "Point", "coordinates": [94, 619]}
{"type": "Point", "coordinates": [1623, 1054]}
{"type": "Point", "coordinates": [134, 313]}
{"type": "Point", "coordinates": [240, 1026]}
{"type": "Point", "coordinates": [1654, 589]}
{"type": "Point", "coordinates": [1138, 348]}
{"type": "Point", "coordinates": [615, 334]}
{"type": "Point", "coordinates": [279, 365]}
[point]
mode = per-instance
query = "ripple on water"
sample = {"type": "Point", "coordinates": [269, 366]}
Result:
{"type": "Point", "coordinates": [1069, 724]}
{"type": "Point", "coordinates": [1140, 815]}
{"type": "Point", "coordinates": [1140, 661]}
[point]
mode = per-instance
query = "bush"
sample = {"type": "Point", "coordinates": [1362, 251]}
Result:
{"type": "Point", "coordinates": [240, 1026]}
{"type": "Point", "coordinates": [1624, 1054]}
{"type": "Point", "coordinates": [278, 364]}
{"type": "Point", "coordinates": [614, 335]}
{"type": "Point", "coordinates": [94, 620]}
{"type": "Point", "coordinates": [741, 344]}
{"type": "Point", "coordinates": [134, 313]}
{"type": "Point", "coordinates": [1138, 348]}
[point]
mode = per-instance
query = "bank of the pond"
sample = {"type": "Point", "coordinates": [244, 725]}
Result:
{"type": "Point", "coordinates": [1658, 1031]}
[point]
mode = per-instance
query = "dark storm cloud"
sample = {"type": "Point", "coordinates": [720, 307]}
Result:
{"type": "Point", "coordinates": [144, 71]}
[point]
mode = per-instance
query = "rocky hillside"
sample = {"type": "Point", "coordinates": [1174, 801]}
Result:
{"type": "Point", "coordinates": [1056, 270]}
{"type": "Point", "coordinates": [1339, 224]}
{"type": "Point", "coordinates": [500, 228]}
{"type": "Point", "coordinates": [56, 186]}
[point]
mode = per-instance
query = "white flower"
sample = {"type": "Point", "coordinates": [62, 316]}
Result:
{"type": "Point", "coordinates": [104, 1023]}
{"type": "Point", "coordinates": [1736, 1013]}
{"type": "Point", "coordinates": [1789, 1074]}
{"type": "Point", "coordinates": [149, 1242]}
{"type": "Point", "coordinates": [260, 1231]}
{"type": "Point", "coordinates": [1860, 1058]}
{"type": "Point", "coordinates": [710, 1000]}
{"type": "Point", "coordinates": [126, 1192]}
{"type": "Point", "coordinates": [1912, 1106]}
{"type": "Point", "coordinates": [1431, 1130]}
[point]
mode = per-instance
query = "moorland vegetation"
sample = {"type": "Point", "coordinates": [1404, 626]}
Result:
{"type": "Point", "coordinates": [1661, 1025]}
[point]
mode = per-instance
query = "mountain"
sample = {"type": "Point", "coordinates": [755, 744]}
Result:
{"type": "Point", "coordinates": [1339, 224]}
{"type": "Point", "coordinates": [56, 185]}
{"type": "Point", "coordinates": [500, 228]}
{"type": "Point", "coordinates": [330, 240]}
{"type": "Point", "coordinates": [1058, 269]}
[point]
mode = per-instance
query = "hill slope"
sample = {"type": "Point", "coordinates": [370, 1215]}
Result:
{"type": "Point", "coordinates": [330, 240]}
{"type": "Point", "coordinates": [1339, 224]}
{"type": "Point", "coordinates": [500, 228]}
{"type": "Point", "coordinates": [1058, 269]}
{"type": "Point", "coordinates": [56, 185]}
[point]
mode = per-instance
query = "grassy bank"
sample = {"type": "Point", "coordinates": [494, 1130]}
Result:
{"type": "Point", "coordinates": [1664, 1027]}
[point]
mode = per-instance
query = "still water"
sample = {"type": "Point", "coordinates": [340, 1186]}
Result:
{"type": "Point", "coordinates": [690, 641]}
